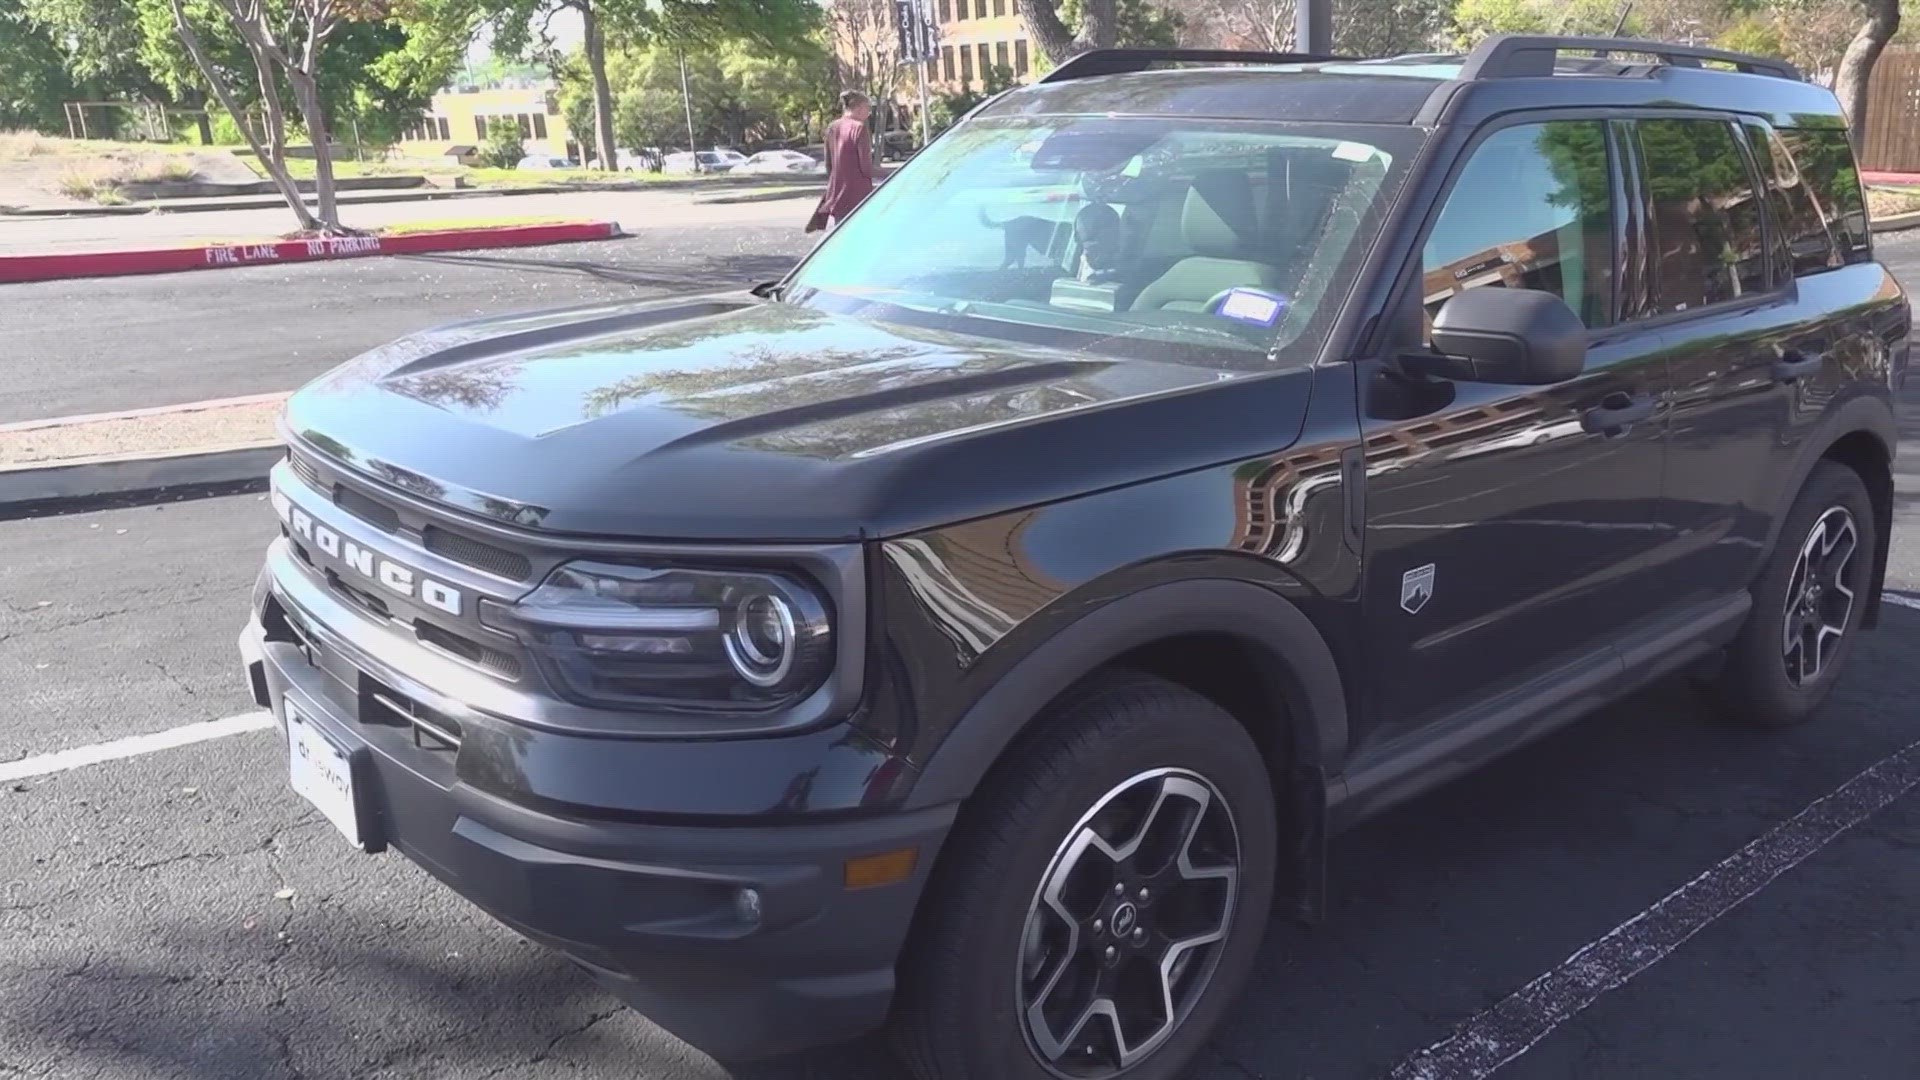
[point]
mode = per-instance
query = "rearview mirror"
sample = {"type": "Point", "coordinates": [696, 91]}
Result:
{"type": "Point", "coordinates": [1519, 336]}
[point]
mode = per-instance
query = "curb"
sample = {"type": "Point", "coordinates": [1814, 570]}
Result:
{"type": "Point", "coordinates": [17, 268]}
{"type": "Point", "coordinates": [759, 196]}
{"type": "Point", "coordinates": [1894, 222]}
{"type": "Point", "coordinates": [135, 474]}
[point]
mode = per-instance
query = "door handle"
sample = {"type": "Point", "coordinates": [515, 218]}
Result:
{"type": "Point", "coordinates": [1794, 364]}
{"type": "Point", "coordinates": [1617, 412]}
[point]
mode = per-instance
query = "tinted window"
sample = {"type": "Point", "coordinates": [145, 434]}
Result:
{"type": "Point", "coordinates": [1532, 209]}
{"type": "Point", "coordinates": [1803, 245]}
{"type": "Point", "coordinates": [1824, 160]}
{"type": "Point", "coordinates": [1707, 244]}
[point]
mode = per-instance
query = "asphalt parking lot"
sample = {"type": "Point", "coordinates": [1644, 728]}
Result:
{"type": "Point", "coordinates": [179, 914]}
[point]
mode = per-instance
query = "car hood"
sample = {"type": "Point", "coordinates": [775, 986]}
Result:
{"type": "Point", "coordinates": [728, 417]}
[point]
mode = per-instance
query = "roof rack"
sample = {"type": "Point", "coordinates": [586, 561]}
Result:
{"type": "Point", "coordinates": [1518, 56]}
{"type": "Point", "coordinates": [1119, 61]}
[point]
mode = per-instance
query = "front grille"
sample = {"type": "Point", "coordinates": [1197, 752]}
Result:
{"type": "Point", "coordinates": [470, 552]}
{"type": "Point", "coordinates": [500, 663]}
{"type": "Point", "coordinates": [375, 513]}
{"type": "Point", "coordinates": [361, 598]}
{"type": "Point", "coordinates": [381, 704]}
{"type": "Point", "coordinates": [305, 470]}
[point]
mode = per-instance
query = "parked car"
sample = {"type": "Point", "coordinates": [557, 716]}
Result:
{"type": "Point", "coordinates": [537, 162]}
{"type": "Point", "coordinates": [984, 629]}
{"type": "Point", "coordinates": [733, 158]}
{"type": "Point", "coordinates": [781, 162]}
{"type": "Point", "coordinates": [702, 161]}
{"type": "Point", "coordinates": [647, 159]}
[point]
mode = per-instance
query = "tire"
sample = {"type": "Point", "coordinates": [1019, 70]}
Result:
{"type": "Point", "coordinates": [1770, 680]}
{"type": "Point", "coordinates": [987, 943]}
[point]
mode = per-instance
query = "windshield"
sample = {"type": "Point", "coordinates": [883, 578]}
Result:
{"type": "Point", "coordinates": [1131, 236]}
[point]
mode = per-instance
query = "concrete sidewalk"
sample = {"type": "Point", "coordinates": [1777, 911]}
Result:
{"type": "Point", "coordinates": [634, 210]}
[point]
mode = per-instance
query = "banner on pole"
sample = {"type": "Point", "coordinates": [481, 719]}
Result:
{"type": "Point", "coordinates": [918, 37]}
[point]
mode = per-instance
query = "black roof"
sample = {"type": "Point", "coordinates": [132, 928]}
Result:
{"type": "Point", "coordinates": [1504, 73]}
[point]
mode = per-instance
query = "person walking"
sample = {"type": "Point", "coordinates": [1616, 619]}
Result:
{"type": "Point", "coordinates": [851, 172]}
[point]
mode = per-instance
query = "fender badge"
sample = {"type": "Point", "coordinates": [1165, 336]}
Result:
{"type": "Point", "coordinates": [1416, 588]}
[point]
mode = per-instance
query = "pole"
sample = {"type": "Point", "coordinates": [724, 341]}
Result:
{"type": "Point", "coordinates": [922, 67]}
{"type": "Point", "coordinates": [1313, 27]}
{"type": "Point", "coordinates": [686, 98]}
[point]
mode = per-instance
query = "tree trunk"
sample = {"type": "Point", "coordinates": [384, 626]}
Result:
{"type": "Point", "coordinates": [306, 93]}
{"type": "Point", "coordinates": [197, 100]}
{"type": "Point", "coordinates": [1053, 36]}
{"type": "Point", "coordinates": [274, 164]}
{"type": "Point", "coordinates": [596, 49]}
{"type": "Point", "coordinates": [1856, 64]}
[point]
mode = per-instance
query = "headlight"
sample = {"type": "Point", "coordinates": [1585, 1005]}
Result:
{"type": "Point", "coordinates": [621, 636]}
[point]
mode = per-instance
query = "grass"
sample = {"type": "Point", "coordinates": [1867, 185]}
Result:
{"type": "Point", "coordinates": [21, 145]}
{"type": "Point", "coordinates": [100, 181]}
{"type": "Point", "coordinates": [303, 168]}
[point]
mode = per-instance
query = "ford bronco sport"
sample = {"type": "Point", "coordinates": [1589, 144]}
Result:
{"type": "Point", "coordinates": [983, 629]}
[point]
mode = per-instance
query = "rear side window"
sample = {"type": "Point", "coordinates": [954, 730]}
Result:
{"type": "Point", "coordinates": [1707, 240]}
{"type": "Point", "coordinates": [1824, 160]}
{"type": "Point", "coordinates": [1805, 244]}
{"type": "Point", "coordinates": [1531, 209]}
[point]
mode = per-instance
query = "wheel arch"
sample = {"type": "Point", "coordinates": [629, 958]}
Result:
{"type": "Point", "coordinates": [1860, 434]}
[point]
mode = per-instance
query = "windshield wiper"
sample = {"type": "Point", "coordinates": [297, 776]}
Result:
{"type": "Point", "coordinates": [770, 290]}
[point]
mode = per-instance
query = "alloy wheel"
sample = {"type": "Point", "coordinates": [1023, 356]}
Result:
{"type": "Point", "coordinates": [1128, 924]}
{"type": "Point", "coordinates": [1819, 599]}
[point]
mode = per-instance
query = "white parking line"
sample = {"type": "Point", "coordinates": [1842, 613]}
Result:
{"type": "Point", "coordinates": [1901, 599]}
{"type": "Point", "coordinates": [1511, 1027]}
{"type": "Point", "coordinates": [134, 746]}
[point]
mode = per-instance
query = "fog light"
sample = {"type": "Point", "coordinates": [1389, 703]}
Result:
{"type": "Point", "coordinates": [746, 904]}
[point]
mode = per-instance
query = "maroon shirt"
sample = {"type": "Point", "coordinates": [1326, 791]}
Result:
{"type": "Point", "coordinates": [851, 172]}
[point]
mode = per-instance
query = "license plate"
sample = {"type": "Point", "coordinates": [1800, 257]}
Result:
{"type": "Point", "coordinates": [323, 773]}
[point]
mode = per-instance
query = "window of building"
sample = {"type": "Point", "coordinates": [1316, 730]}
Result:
{"type": "Point", "coordinates": [1706, 241]}
{"type": "Point", "coordinates": [946, 10]}
{"type": "Point", "coordinates": [966, 64]}
{"type": "Point", "coordinates": [960, 8]}
{"type": "Point", "coordinates": [526, 125]}
{"type": "Point", "coordinates": [946, 62]}
{"type": "Point", "coordinates": [480, 128]}
{"type": "Point", "coordinates": [446, 131]}
{"type": "Point", "coordinates": [999, 7]}
{"type": "Point", "coordinates": [979, 9]}
{"type": "Point", "coordinates": [1000, 54]}
{"type": "Point", "coordinates": [1532, 209]}
{"type": "Point", "coordinates": [1020, 58]}
{"type": "Point", "coordinates": [539, 126]}
{"type": "Point", "coordinates": [986, 58]}
{"type": "Point", "coordinates": [1823, 159]}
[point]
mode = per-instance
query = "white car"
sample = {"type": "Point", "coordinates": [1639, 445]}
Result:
{"type": "Point", "coordinates": [733, 158]}
{"type": "Point", "coordinates": [781, 162]}
{"type": "Point", "coordinates": [543, 162]}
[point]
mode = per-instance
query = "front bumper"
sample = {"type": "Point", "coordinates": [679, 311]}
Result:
{"type": "Point", "coordinates": [653, 909]}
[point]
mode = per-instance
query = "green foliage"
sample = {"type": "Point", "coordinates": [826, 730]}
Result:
{"type": "Point", "coordinates": [740, 94]}
{"type": "Point", "coordinates": [1476, 19]}
{"type": "Point", "coordinates": [1138, 24]}
{"type": "Point", "coordinates": [503, 148]}
{"type": "Point", "coordinates": [33, 77]}
{"type": "Point", "coordinates": [1755, 33]}
{"type": "Point", "coordinates": [949, 108]}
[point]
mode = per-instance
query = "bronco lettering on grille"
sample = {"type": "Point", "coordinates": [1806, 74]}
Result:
{"type": "Point", "coordinates": [369, 564]}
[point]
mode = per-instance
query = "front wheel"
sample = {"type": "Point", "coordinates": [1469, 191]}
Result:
{"type": "Point", "coordinates": [1807, 604]}
{"type": "Point", "coordinates": [1102, 899]}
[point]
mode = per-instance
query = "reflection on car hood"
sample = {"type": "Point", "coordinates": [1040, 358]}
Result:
{"type": "Point", "coordinates": [712, 417]}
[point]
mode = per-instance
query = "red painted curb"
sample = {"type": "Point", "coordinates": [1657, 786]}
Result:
{"type": "Point", "coordinates": [1871, 177]}
{"type": "Point", "coordinates": [204, 257]}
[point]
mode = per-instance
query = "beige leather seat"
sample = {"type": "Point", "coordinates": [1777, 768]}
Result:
{"type": "Point", "coordinates": [1220, 224]}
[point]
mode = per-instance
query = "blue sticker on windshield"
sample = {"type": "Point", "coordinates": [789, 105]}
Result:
{"type": "Point", "coordinates": [1252, 306]}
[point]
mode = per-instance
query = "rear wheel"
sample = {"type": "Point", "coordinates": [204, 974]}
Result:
{"type": "Point", "coordinates": [1807, 604]}
{"type": "Point", "coordinates": [1102, 899]}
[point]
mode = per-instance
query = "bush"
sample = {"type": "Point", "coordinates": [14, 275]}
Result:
{"type": "Point", "coordinates": [503, 148]}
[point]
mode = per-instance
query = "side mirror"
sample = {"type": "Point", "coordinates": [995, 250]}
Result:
{"type": "Point", "coordinates": [1518, 336]}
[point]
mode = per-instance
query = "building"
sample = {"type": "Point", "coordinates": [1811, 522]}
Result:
{"type": "Point", "coordinates": [461, 118]}
{"type": "Point", "coordinates": [977, 36]}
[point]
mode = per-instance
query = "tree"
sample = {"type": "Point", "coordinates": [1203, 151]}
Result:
{"type": "Point", "coordinates": [284, 41]}
{"type": "Point", "coordinates": [1140, 24]}
{"type": "Point", "coordinates": [521, 30]}
{"type": "Point", "coordinates": [1855, 70]}
{"type": "Point", "coordinates": [504, 148]}
{"type": "Point", "coordinates": [34, 82]}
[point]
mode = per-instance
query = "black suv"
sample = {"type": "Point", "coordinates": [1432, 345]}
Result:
{"type": "Point", "coordinates": [983, 629]}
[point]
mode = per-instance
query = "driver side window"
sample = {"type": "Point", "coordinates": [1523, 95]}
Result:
{"type": "Point", "coordinates": [1532, 209]}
